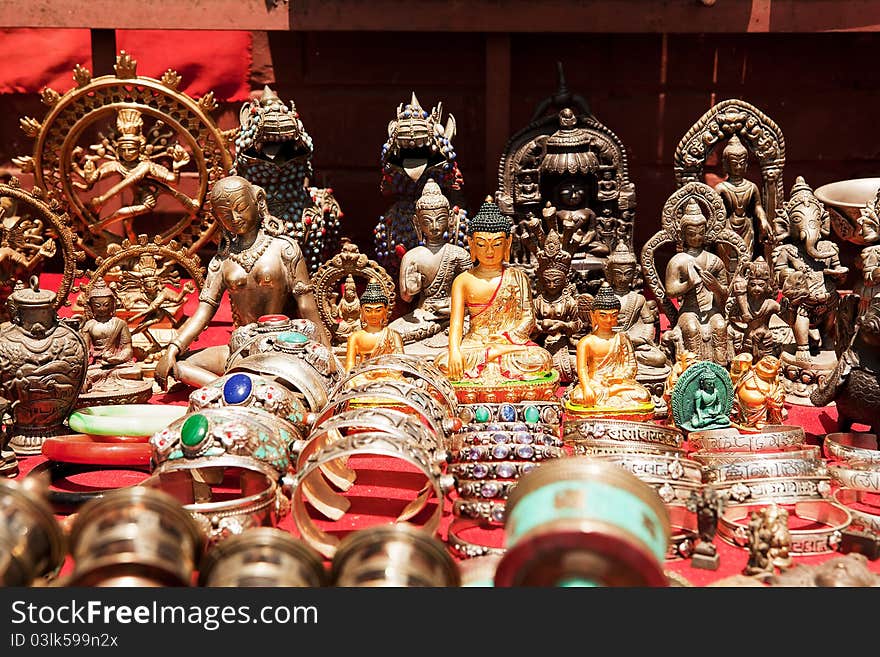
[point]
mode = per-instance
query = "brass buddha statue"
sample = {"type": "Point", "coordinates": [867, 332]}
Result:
{"type": "Point", "coordinates": [376, 338]}
{"type": "Point", "coordinates": [742, 199]}
{"type": "Point", "coordinates": [427, 270]}
{"type": "Point", "coordinates": [607, 367]}
{"type": "Point", "coordinates": [496, 354]}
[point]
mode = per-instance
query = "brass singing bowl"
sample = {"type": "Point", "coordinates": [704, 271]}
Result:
{"type": "Point", "coordinates": [845, 199]}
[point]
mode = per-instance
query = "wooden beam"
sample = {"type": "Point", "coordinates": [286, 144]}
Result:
{"type": "Point", "coordinates": [615, 16]}
{"type": "Point", "coordinates": [103, 52]}
{"type": "Point", "coordinates": [497, 105]}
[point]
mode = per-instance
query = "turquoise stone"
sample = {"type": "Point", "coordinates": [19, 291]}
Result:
{"type": "Point", "coordinates": [531, 415]}
{"type": "Point", "coordinates": [481, 414]}
{"type": "Point", "coordinates": [292, 337]}
{"type": "Point", "coordinates": [237, 388]}
{"type": "Point", "coordinates": [194, 430]}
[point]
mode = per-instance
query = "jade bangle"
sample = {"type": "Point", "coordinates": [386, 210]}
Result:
{"type": "Point", "coordinates": [125, 419]}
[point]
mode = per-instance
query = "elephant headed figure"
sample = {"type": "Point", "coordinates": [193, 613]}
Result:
{"type": "Point", "coordinates": [807, 268]}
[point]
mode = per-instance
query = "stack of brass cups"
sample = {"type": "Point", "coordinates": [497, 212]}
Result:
{"type": "Point", "coordinates": [32, 544]}
{"type": "Point", "coordinates": [495, 446]}
{"type": "Point", "coordinates": [397, 407]}
{"type": "Point", "coordinates": [583, 522]}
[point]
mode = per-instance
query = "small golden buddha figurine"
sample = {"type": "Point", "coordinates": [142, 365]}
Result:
{"type": "Point", "coordinates": [348, 309]}
{"type": "Point", "coordinates": [108, 340]}
{"type": "Point", "coordinates": [498, 301]}
{"type": "Point", "coordinates": [759, 395]}
{"type": "Point", "coordinates": [375, 339]}
{"type": "Point", "coordinates": [607, 367]}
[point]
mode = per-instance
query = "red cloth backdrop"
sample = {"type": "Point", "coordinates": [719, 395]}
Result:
{"type": "Point", "coordinates": [217, 61]}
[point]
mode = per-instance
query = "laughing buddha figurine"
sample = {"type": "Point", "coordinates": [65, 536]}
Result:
{"type": "Point", "coordinates": [606, 368]}
{"type": "Point", "coordinates": [495, 360]}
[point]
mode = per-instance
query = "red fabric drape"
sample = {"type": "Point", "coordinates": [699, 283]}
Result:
{"type": "Point", "coordinates": [218, 61]}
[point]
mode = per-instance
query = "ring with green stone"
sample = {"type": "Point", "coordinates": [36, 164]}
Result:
{"type": "Point", "coordinates": [124, 419]}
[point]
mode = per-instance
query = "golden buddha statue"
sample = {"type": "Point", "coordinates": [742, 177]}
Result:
{"type": "Point", "coordinates": [607, 367]}
{"type": "Point", "coordinates": [496, 351]}
{"type": "Point", "coordinates": [759, 395]}
{"type": "Point", "coordinates": [375, 339]}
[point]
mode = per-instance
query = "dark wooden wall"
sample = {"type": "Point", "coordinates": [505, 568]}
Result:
{"type": "Point", "coordinates": [822, 89]}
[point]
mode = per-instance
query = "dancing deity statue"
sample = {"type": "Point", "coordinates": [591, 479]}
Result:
{"type": "Point", "coordinates": [137, 169]}
{"type": "Point", "coordinates": [376, 338]}
{"type": "Point", "coordinates": [262, 269]}
{"type": "Point", "coordinates": [497, 300]}
{"type": "Point", "coordinates": [427, 271]}
{"type": "Point", "coordinates": [742, 198]}
{"type": "Point", "coordinates": [607, 367]}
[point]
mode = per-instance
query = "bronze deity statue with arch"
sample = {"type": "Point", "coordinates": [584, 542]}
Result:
{"type": "Point", "coordinates": [568, 168]}
{"type": "Point", "coordinates": [695, 220]}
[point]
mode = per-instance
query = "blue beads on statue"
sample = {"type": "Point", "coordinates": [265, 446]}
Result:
{"type": "Point", "coordinates": [237, 388]}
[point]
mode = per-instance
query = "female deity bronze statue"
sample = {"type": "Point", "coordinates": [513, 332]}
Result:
{"type": "Point", "coordinates": [262, 269]}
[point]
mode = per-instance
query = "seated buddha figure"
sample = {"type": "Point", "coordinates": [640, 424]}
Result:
{"type": "Point", "coordinates": [497, 300]}
{"type": "Point", "coordinates": [376, 338]}
{"type": "Point", "coordinates": [607, 366]}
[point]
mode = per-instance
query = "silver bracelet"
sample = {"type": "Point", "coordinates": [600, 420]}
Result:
{"type": "Point", "coordinates": [600, 447]}
{"type": "Point", "coordinates": [574, 431]}
{"type": "Point", "coordinates": [657, 466]}
{"type": "Point", "coordinates": [848, 497]}
{"type": "Point", "coordinates": [765, 468]}
{"type": "Point", "coordinates": [804, 542]}
{"type": "Point", "coordinates": [779, 491]}
{"type": "Point", "coordinates": [858, 475]}
{"type": "Point", "coordinates": [771, 437]}
{"type": "Point", "coordinates": [852, 446]}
